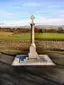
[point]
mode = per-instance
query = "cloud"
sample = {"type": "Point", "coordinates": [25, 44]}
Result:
{"type": "Point", "coordinates": [16, 23]}
{"type": "Point", "coordinates": [60, 13]}
{"type": "Point", "coordinates": [31, 4]}
{"type": "Point", "coordinates": [51, 21]}
{"type": "Point", "coordinates": [39, 20]}
{"type": "Point", "coordinates": [6, 14]}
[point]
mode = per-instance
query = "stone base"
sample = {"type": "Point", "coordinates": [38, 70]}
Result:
{"type": "Point", "coordinates": [32, 53]}
{"type": "Point", "coordinates": [43, 61]}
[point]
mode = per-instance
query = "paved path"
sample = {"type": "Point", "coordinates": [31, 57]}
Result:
{"type": "Point", "coordinates": [37, 75]}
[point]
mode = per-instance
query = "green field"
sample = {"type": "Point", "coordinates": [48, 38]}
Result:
{"type": "Point", "coordinates": [26, 36]}
{"type": "Point", "coordinates": [49, 36]}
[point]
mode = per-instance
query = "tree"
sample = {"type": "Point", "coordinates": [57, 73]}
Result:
{"type": "Point", "coordinates": [52, 30]}
{"type": "Point", "coordinates": [60, 30]}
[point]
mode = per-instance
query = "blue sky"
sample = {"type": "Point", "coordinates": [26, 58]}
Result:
{"type": "Point", "coordinates": [18, 12]}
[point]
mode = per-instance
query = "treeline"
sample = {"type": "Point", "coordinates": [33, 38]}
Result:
{"type": "Point", "coordinates": [37, 30]}
{"type": "Point", "coordinates": [58, 30]}
{"type": "Point", "coordinates": [15, 30]}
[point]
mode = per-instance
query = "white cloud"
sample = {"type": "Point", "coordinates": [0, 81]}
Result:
{"type": "Point", "coordinates": [6, 14]}
{"type": "Point", "coordinates": [16, 23]}
{"type": "Point", "coordinates": [31, 4]}
{"type": "Point", "coordinates": [39, 20]}
{"type": "Point", "coordinates": [52, 21]}
{"type": "Point", "coordinates": [60, 13]}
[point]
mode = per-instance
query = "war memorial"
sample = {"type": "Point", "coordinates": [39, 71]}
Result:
{"type": "Point", "coordinates": [32, 58]}
{"type": "Point", "coordinates": [32, 69]}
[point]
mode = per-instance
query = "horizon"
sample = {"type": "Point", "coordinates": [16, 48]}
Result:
{"type": "Point", "coordinates": [18, 13]}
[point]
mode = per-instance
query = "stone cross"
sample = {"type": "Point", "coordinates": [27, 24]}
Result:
{"type": "Point", "coordinates": [32, 18]}
{"type": "Point", "coordinates": [32, 54]}
{"type": "Point", "coordinates": [32, 30]}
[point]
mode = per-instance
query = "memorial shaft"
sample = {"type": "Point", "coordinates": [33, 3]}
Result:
{"type": "Point", "coordinates": [32, 53]}
{"type": "Point", "coordinates": [32, 33]}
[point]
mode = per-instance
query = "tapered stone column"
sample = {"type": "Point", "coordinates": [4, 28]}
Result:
{"type": "Point", "coordinates": [32, 35]}
{"type": "Point", "coordinates": [32, 30]}
{"type": "Point", "coordinates": [32, 53]}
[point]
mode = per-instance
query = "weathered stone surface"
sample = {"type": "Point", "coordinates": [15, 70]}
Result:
{"type": "Point", "coordinates": [43, 60]}
{"type": "Point", "coordinates": [25, 44]}
{"type": "Point", "coordinates": [32, 53]}
{"type": "Point", "coordinates": [6, 59]}
{"type": "Point", "coordinates": [32, 75]}
{"type": "Point", "coordinates": [57, 58]}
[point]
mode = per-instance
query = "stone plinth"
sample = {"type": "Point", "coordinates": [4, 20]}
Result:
{"type": "Point", "coordinates": [44, 60]}
{"type": "Point", "coordinates": [32, 54]}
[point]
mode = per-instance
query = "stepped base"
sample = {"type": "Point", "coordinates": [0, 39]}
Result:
{"type": "Point", "coordinates": [32, 53]}
{"type": "Point", "coordinates": [43, 61]}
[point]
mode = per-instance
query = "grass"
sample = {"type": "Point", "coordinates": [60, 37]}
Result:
{"type": "Point", "coordinates": [6, 33]}
{"type": "Point", "coordinates": [58, 52]}
{"type": "Point", "coordinates": [42, 52]}
{"type": "Point", "coordinates": [26, 36]}
{"type": "Point", "coordinates": [49, 36]}
{"type": "Point", "coordinates": [23, 36]}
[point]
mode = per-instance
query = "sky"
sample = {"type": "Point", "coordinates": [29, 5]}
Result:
{"type": "Point", "coordinates": [18, 12]}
